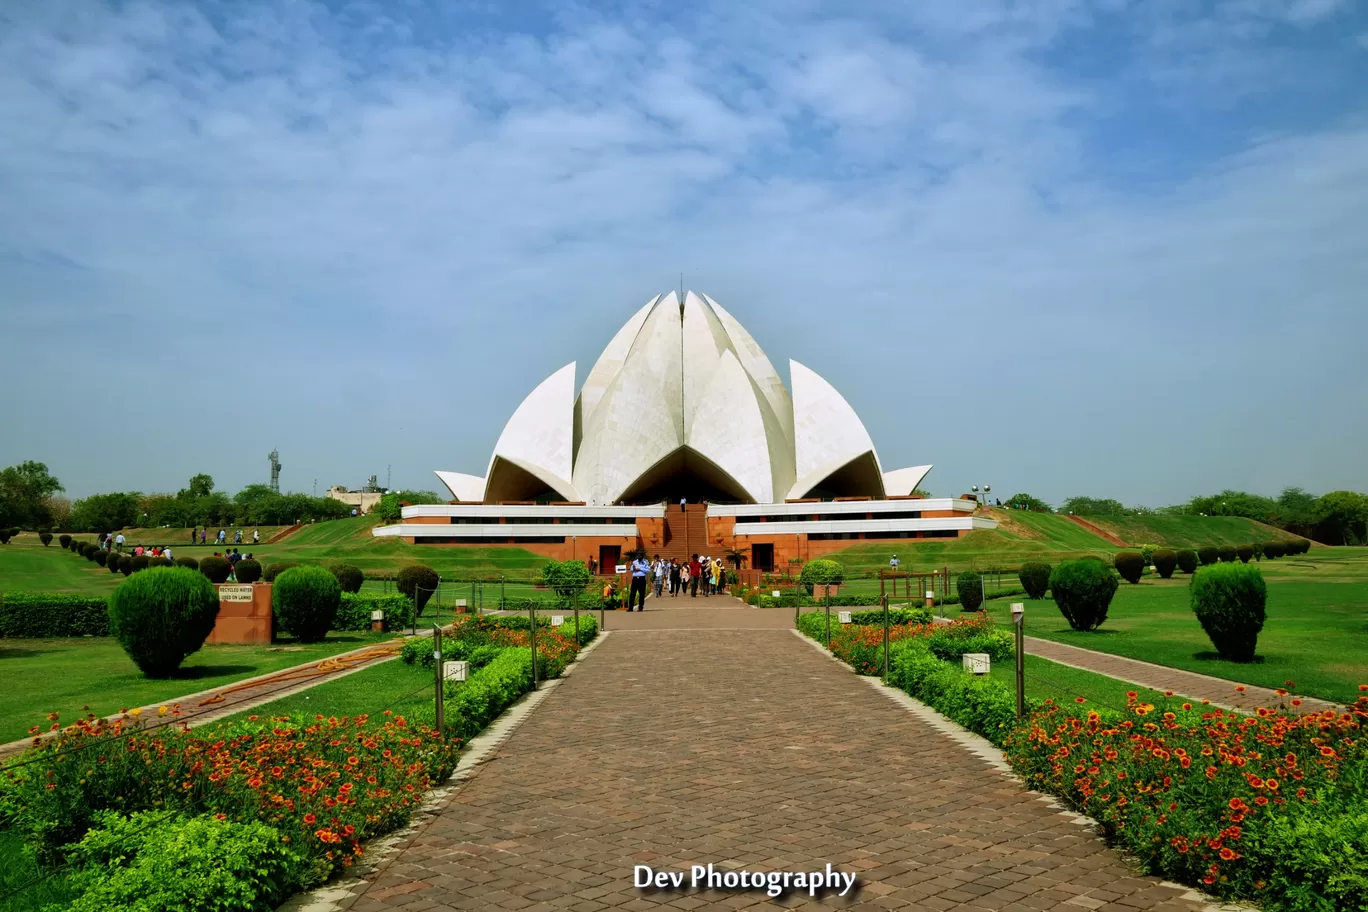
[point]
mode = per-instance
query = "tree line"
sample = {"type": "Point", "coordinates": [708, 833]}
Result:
{"type": "Point", "coordinates": [1336, 518]}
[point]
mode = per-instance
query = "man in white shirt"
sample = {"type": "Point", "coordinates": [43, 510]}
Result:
{"type": "Point", "coordinates": [118, 541]}
{"type": "Point", "coordinates": [893, 563]}
{"type": "Point", "coordinates": [640, 567]}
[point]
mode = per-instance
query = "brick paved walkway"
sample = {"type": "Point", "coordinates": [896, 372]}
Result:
{"type": "Point", "coordinates": [743, 748]}
{"type": "Point", "coordinates": [1163, 678]}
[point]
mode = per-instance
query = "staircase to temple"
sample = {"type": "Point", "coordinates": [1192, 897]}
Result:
{"type": "Point", "coordinates": [686, 531]}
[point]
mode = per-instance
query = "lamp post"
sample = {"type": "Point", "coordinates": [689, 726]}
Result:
{"type": "Point", "coordinates": [974, 489]}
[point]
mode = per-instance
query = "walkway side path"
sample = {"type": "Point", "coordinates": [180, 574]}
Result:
{"type": "Point", "coordinates": [1219, 691]}
{"type": "Point", "coordinates": [746, 749]}
{"type": "Point", "coordinates": [239, 696]}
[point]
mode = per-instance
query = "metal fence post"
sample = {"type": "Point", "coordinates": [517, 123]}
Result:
{"type": "Point", "coordinates": [437, 665]}
{"type": "Point", "coordinates": [532, 638]}
{"type": "Point", "coordinates": [828, 617]}
{"type": "Point", "coordinates": [885, 619]}
{"type": "Point", "coordinates": [1019, 622]}
{"type": "Point", "coordinates": [503, 603]}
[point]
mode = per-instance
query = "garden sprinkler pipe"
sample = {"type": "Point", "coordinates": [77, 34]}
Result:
{"type": "Point", "coordinates": [1019, 623]}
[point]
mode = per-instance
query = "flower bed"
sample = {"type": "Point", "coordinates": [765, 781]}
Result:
{"type": "Point", "coordinates": [813, 623]}
{"type": "Point", "coordinates": [861, 646]}
{"type": "Point", "coordinates": [1270, 807]}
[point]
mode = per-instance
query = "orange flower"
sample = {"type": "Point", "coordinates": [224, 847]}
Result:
{"type": "Point", "coordinates": [1079, 700]}
{"type": "Point", "coordinates": [1228, 854]}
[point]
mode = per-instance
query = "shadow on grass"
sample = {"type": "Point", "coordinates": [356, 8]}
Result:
{"type": "Point", "coordinates": [21, 652]}
{"type": "Point", "coordinates": [1210, 656]}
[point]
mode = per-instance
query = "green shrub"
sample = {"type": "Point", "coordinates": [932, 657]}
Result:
{"type": "Point", "coordinates": [1300, 546]}
{"type": "Point", "coordinates": [215, 568]}
{"type": "Point", "coordinates": [1130, 564]}
{"type": "Point", "coordinates": [139, 562]}
{"type": "Point", "coordinates": [1187, 560]}
{"type": "Point", "coordinates": [1083, 590]}
{"type": "Point", "coordinates": [1273, 549]}
{"type": "Point", "coordinates": [1147, 552]}
{"type": "Point", "coordinates": [969, 587]}
{"type": "Point", "coordinates": [5, 536]}
{"type": "Point", "coordinates": [349, 578]}
{"type": "Point", "coordinates": [160, 561]}
{"type": "Point", "coordinates": [274, 570]}
{"type": "Point", "coordinates": [1035, 578]}
{"type": "Point", "coordinates": [418, 583]}
{"type": "Point", "coordinates": [113, 563]}
{"type": "Point", "coordinates": [821, 572]}
{"type": "Point", "coordinates": [29, 614]}
{"type": "Point", "coordinates": [247, 570]}
{"type": "Point", "coordinates": [1207, 555]}
{"type": "Point", "coordinates": [813, 623]}
{"type": "Point", "coordinates": [88, 551]}
{"type": "Point", "coordinates": [157, 860]}
{"type": "Point", "coordinates": [101, 557]}
{"type": "Point", "coordinates": [950, 644]}
{"type": "Point", "coordinates": [355, 610]}
{"type": "Point", "coordinates": [1229, 602]}
{"type": "Point", "coordinates": [126, 564]}
{"type": "Point", "coordinates": [1165, 560]}
{"type": "Point", "coordinates": [188, 562]}
{"type": "Point", "coordinates": [64, 540]}
{"type": "Point", "coordinates": [45, 538]}
{"type": "Point", "coordinates": [1227, 554]}
{"type": "Point", "coordinates": [565, 578]}
{"type": "Point", "coordinates": [472, 704]}
{"type": "Point", "coordinates": [305, 601]}
{"type": "Point", "coordinates": [1244, 553]}
{"type": "Point", "coordinates": [981, 704]}
{"type": "Point", "coordinates": [162, 616]}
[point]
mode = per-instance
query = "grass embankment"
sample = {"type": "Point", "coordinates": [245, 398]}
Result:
{"type": "Point", "coordinates": [1188, 531]}
{"type": "Point", "coordinates": [403, 689]}
{"type": "Point", "coordinates": [1316, 632]}
{"type": "Point", "coordinates": [38, 677]}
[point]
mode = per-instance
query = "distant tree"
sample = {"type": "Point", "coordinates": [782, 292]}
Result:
{"type": "Point", "coordinates": [1027, 502]}
{"type": "Point", "coordinates": [1093, 506]}
{"type": "Point", "coordinates": [105, 512]}
{"type": "Point", "coordinates": [920, 492]}
{"type": "Point", "coordinates": [200, 486]}
{"type": "Point", "coordinates": [59, 511]}
{"type": "Point", "coordinates": [24, 490]}
{"type": "Point", "coordinates": [390, 507]}
{"type": "Point", "coordinates": [1237, 503]}
{"type": "Point", "coordinates": [1342, 517]}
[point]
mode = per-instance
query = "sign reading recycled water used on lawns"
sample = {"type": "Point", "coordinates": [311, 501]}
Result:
{"type": "Point", "coordinates": [843, 616]}
{"type": "Point", "coordinates": [241, 593]}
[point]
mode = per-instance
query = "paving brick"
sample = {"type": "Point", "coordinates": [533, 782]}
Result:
{"type": "Point", "coordinates": [674, 744]}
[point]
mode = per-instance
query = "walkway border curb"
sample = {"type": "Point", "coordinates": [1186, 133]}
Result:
{"type": "Point", "coordinates": [994, 756]}
{"type": "Point", "coordinates": [340, 895]}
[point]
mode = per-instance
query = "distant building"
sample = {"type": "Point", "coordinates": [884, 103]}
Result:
{"type": "Point", "coordinates": [364, 501]}
{"type": "Point", "coordinates": [683, 440]}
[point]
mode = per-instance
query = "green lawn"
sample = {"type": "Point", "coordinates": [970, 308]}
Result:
{"type": "Point", "coordinates": [405, 690]}
{"type": "Point", "coordinates": [1316, 633]}
{"type": "Point", "coordinates": [42, 676]}
{"type": "Point", "coordinates": [1062, 683]}
{"type": "Point", "coordinates": [18, 868]}
{"type": "Point", "coordinates": [1187, 531]}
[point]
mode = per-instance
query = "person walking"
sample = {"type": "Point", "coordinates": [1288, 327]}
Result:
{"type": "Point", "coordinates": [237, 537]}
{"type": "Point", "coordinates": [659, 570]}
{"type": "Point", "coordinates": [893, 562]}
{"type": "Point", "coordinates": [166, 553]}
{"type": "Point", "coordinates": [119, 542]}
{"type": "Point", "coordinates": [674, 577]}
{"type": "Point", "coordinates": [204, 534]}
{"type": "Point", "coordinates": [695, 571]}
{"type": "Point", "coordinates": [640, 568]}
{"type": "Point", "coordinates": [256, 536]}
{"type": "Point", "coordinates": [222, 537]}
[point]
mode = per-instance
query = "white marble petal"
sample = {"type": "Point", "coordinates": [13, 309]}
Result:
{"type": "Point", "coordinates": [827, 434]}
{"type": "Point", "coordinates": [463, 487]}
{"type": "Point", "coordinates": [729, 429]}
{"type": "Point", "coordinates": [609, 363]}
{"type": "Point", "coordinates": [901, 482]}
{"type": "Point", "coordinates": [540, 435]}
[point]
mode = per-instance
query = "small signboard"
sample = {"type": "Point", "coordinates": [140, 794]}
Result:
{"type": "Point", "coordinates": [557, 620]}
{"type": "Point", "coordinates": [778, 594]}
{"type": "Point", "coordinates": [460, 603]}
{"type": "Point", "coordinates": [455, 671]}
{"type": "Point", "coordinates": [844, 616]}
{"type": "Point", "coordinates": [621, 568]}
{"type": "Point", "coordinates": [241, 593]}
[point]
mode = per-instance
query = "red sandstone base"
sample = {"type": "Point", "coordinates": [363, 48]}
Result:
{"type": "Point", "coordinates": [244, 616]}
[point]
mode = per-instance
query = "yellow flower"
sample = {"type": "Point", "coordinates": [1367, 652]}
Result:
{"type": "Point", "coordinates": [135, 712]}
{"type": "Point", "coordinates": [163, 710]}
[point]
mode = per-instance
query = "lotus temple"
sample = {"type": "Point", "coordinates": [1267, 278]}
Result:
{"type": "Point", "coordinates": [684, 439]}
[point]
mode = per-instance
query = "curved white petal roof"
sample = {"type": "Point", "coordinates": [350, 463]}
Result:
{"type": "Point", "coordinates": [680, 378]}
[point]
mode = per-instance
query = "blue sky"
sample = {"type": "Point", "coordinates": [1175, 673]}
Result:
{"type": "Point", "coordinates": [1108, 248]}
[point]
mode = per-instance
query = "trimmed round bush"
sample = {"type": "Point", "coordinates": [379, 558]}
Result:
{"type": "Point", "coordinates": [216, 569]}
{"type": "Point", "coordinates": [1130, 564]}
{"type": "Point", "coordinates": [112, 562]}
{"type": "Point", "coordinates": [821, 572]}
{"type": "Point", "coordinates": [64, 540]}
{"type": "Point", "coordinates": [161, 617]}
{"type": "Point", "coordinates": [139, 562]}
{"type": "Point", "coordinates": [125, 564]}
{"type": "Point", "coordinates": [274, 570]}
{"type": "Point", "coordinates": [187, 562]}
{"type": "Point", "coordinates": [247, 570]}
{"type": "Point", "coordinates": [1227, 554]}
{"type": "Point", "coordinates": [1303, 545]}
{"type": "Point", "coordinates": [101, 557]}
{"type": "Point", "coordinates": [418, 583]}
{"type": "Point", "coordinates": [45, 538]}
{"type": "Point", "coordinates": [5, 536]}
{"type": "Point", "coordinates": [1207, 555]}
{"type": "Point", "coordinates": [969, 587]}
{"type": "Point", "coordinates": [1165, 560]}
{"type": "Point", "coordinates": [1035, 578]}
{"type": "Point", "coordinates": [1273, 549]}
{"type": "Point", "coordinates": [1187, 560]}
{"type": "Point", "coordinates": [160, 561]}
{"type": "Point", "coordinates": [1083, 590]}
{"type": "Point", "coordinates": [1229, 601]}
{"type": "Point", "coordinates": [90, 551]}
{"type": "Point", "coordinates": [305, 602]}
{"type": "Point", "coordinates": [348, 577]}
{"type": "Point", "coordinates": [1244, 553]}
